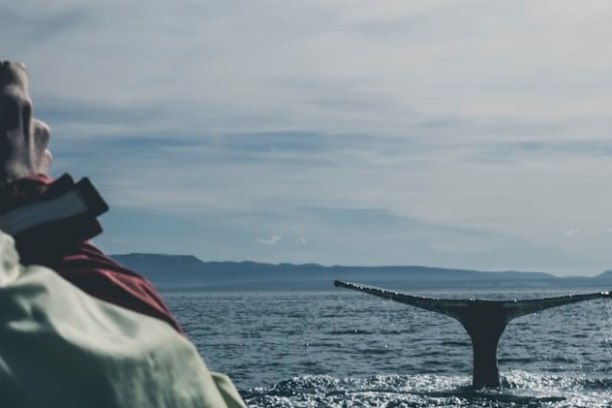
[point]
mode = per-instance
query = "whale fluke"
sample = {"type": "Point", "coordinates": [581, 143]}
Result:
{"type": "Point", "coordinates": [484, 320]}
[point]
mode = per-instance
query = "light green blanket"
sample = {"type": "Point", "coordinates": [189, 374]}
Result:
{"type": "Point", "coordinates": [59, 347]}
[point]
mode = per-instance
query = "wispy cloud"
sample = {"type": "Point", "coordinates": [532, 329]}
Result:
{"type": "Point", "coordinates": [273, 240]}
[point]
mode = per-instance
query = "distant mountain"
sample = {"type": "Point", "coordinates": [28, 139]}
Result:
{"type": "Point", "coordinates": [607, 275]}
{"type": "Point", "coordinates": [189, 271]}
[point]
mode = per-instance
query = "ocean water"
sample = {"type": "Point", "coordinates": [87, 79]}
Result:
{"type": "Point", "coordinates": [340, 348]}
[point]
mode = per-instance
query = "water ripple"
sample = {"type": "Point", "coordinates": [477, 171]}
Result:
{"type": "Point", "coordinates": [325, 349]}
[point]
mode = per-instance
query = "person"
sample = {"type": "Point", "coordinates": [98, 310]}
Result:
{"type": "Point", "coordinates": [77, 328]}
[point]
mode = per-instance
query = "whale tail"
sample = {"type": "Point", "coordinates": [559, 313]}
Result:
{"type": "Point", "coordinates": [484, 320]}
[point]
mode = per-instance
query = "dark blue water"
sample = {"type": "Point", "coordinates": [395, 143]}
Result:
{"type": "Point", "coordinates": [345, 349]}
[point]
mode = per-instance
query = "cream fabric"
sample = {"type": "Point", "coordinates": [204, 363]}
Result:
{"type": "Point", "coordinates": [59, 347]}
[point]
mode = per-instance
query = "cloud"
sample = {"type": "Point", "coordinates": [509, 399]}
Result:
{"type": "Point", "coordinates": [31, 27]}
{"type": "Point", "coordinates": [570, 232]}
{"type": "Point", "coordinates": [443, 118]}
{"type": "Point", "coordinates": [340, 187]}
{"type": "Point", "coordinates": [273, 240]}
{"type": "Point", "coordinates": [380, 65]}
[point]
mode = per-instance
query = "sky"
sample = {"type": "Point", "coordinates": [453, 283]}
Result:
{"type": "Point", "coordinates": [464, 134]}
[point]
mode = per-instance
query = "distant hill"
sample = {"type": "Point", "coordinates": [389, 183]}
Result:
{"type": "Point", "coordinates": [607, 275]}
{"type": "Point", "coordinates": [189, 271]}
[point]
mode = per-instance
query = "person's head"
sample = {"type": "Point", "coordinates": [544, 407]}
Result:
{"type": "Point", "coordinates": [23, 139]}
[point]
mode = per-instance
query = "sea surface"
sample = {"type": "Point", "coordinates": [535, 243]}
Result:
{"type": "Point", "coordinates": [340, 348]}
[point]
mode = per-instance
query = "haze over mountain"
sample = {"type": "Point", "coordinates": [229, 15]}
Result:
{"type": "Point", "coordinates": [169, 271]}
